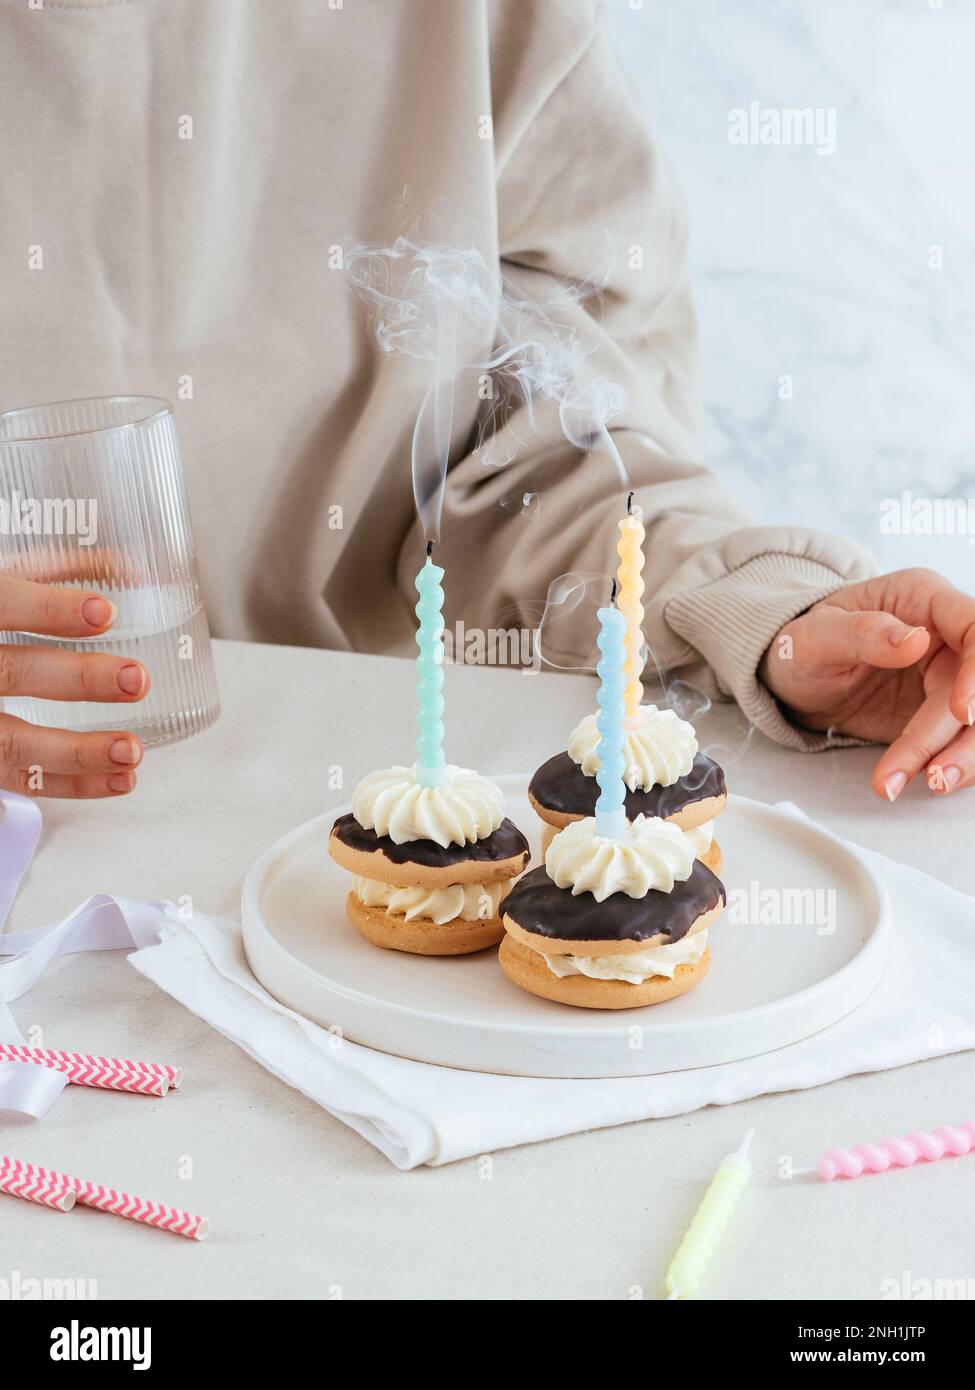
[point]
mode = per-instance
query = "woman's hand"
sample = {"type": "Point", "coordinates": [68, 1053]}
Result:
{"type": "Point", "coordinates": [56, 762]}
{"type": "Point", "coordinates": [891, 660]}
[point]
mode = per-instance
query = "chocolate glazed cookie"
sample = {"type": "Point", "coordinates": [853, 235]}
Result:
{"type": "Point", "coordinates": [553, 915]}
{"type": "Point", "coordinates": [542, 920]}
{"type": "Point", "coordinates": [561, 792]}
{"type": "Point", "coordinates": [496, 857]}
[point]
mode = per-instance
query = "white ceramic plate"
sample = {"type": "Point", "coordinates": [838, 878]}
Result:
{"type": "Point", "coordinates": [769, 984]}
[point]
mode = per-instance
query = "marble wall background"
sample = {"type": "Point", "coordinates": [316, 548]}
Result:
{"type": "Point", "coordinates": [820, 267]}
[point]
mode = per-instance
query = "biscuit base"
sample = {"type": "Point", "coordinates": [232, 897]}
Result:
{"type": "Point", "coordinates": [527, 969]}
{"type": "Point", "coordinates": [713, 858]}
{"type": "Point", "coordinates": [420, 936]}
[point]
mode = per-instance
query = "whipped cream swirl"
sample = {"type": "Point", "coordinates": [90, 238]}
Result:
{"type": "Point", "coordinates": [471, 902]}
{"type": "Point", "coordinates": [636, 966]}
{"type": "Point", "coordinates": [651, 853]}
{"type": "Point", "coordinates": [701, 837]}
{"type": "Point", "coordinates": [658, 751]}
{"type": "Point", "coordinates": [463, 808]}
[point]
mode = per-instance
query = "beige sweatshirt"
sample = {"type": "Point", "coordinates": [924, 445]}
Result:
{"type": "Point", "coordinates": [186, 169]}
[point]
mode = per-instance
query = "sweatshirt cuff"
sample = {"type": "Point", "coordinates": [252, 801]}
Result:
{"type": "Point", "coordinates": [733, 621]}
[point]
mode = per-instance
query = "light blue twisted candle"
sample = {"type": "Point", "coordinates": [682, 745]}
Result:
{"type": "Point", "coordinates": [429, 666]}
{"type": "Point", "coordinates": [611, 670]}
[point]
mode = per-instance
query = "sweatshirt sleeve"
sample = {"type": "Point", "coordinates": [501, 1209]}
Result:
{"type": "Point", "coordinates": [584, 191]}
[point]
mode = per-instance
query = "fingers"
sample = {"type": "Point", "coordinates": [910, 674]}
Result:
{"type": "Point", "coordinates": [24, 745]}
{"type": "Point", "coordinates": [86, 788]}
{"type": "Point", "coordinates": [924, 735]}
{"type": "Point", "coordinates": [51, 673]}
{"type": "Point", "coordinates": [834, 637]}
{"type": "Point", "coordinates": [963, 692]}
{"type": "Point", "coordinates": [954, 613]}
{"type": "Point", "coordinates": [954, 767]}
{"type": "Point", "coordinates": [52, 610]}
{"type": "Point", "coordinates": [56, 762]}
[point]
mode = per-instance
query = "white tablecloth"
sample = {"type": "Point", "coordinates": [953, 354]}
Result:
{"type": "Point", "coordinates": [301, 1206]}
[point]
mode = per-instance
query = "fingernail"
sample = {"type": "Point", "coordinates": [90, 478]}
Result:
{"type": "Point", "coordinates": [98, 612]}
{"type": "Point", "coordinates": [894, 785]}
{"type": "Point", "coordinates": [971, 712]}
{"type": "Point", "coordinates": [942, 779]}
{"type": "Point", "coordinates": [123, 750]}
{"type": "Point", "coordinates": [131, 679]}
{"type": "Point", "coordinates": [121, 782]}
{"type": "Point", "coordinates": [897, 639]}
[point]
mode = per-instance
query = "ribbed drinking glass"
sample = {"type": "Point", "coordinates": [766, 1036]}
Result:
{"type": "Point", "coordinates": [92, 495]}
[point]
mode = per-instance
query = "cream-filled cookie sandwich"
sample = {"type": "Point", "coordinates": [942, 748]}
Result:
{"type": "Point", "coordinates": [666, 776]}
{"type": "Point", "coordinates": [431, 865]}
{"type": "Point", "coordinates": [612, 922]}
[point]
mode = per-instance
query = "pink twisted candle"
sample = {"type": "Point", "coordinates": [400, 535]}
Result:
{"type": "Point", "coordinates": [90, 1194]}
{"type": "Point", "coordinates": [895, 1152]}
{"type": "Point", "coordinates": [104, 1073]}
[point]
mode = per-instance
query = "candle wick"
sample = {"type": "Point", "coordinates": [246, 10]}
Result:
{"type": "Point", "coordinates": [629, 505]}
{"type": "Point", "coordinates": [429, 549]}
{"type": "Point", "coordinates": [612, 596]}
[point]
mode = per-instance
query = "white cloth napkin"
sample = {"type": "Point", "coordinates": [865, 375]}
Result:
{"type": "Point", "coordinates": [103, 923]}
{"type": "Point", "coordinates": [416, 1113]}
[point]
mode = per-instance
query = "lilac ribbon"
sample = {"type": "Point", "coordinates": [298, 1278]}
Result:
{"type": "Point", "coordinates": [19, 832]}
{"type": "Point", "coordinates": [103, 923]}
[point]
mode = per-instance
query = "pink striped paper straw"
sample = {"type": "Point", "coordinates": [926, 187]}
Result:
{"type": "Point", "coordinates": [174, 1075]}
{"type": "Point", "coordinates": [104, 1073]}
{"type": "Point", "coordinates": [180, 1223]}
{"type": "Point", "coordinates": [37, 1187]}
{"type": "Point", "coordinates": [90, 1194]}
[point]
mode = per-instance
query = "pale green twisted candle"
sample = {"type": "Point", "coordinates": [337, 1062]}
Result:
{"type": "Point", "coordinates": [429, 665]}
{"type": "Point", "coordinates": [695, 1250]}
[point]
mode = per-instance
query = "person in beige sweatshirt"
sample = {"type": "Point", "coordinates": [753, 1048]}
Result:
{"type": "Point", "coordinates": [181, 179]}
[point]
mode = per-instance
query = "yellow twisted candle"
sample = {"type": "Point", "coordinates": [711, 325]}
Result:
{"type": "Point", "coordinates": [630, 579]}
{"type": "Point", "coordinates": [702, 1236]}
